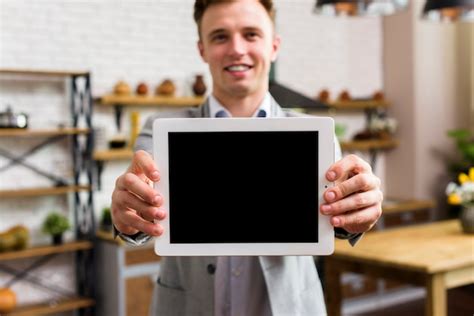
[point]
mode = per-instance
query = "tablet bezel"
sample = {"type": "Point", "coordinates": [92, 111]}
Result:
{"type": "Point", "coordinates": [325, 128]}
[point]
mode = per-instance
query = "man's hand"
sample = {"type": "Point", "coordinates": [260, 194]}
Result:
{"type": "Point", "coordinates": [135, 204]}
{"type": "Point", "coordinates": [355, 202]}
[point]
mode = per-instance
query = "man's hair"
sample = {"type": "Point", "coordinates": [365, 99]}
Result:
{"type": "Point", "coordinates": [200, 6]}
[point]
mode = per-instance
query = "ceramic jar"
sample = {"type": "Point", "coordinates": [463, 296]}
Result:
{"type": "Point", "coordinates": [199, 87]}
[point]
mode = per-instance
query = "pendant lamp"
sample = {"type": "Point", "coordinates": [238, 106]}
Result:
{"type": "Point", "coordinates": [359, 7]}
{"type": "Point", "coordinates": [449, 10]}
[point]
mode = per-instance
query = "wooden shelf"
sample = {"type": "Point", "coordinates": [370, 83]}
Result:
{"type": "Point", "coordinates": [52, 307]}
{"type": "Point", "coordinates": [39, 72]}
{"type": "Point", "coordinates": [134, 100]}
{"type": "Point", "coordinates": [394, 206]}
{"type": "Point", "coordinates": [358, 104]}
{"type": "Point", "coordinates": [41, 132]}
{"type": "Point", "coordinates": [113, 154]}
{"type": "Point", "coordinates": [369, 144]}
{"type": "Point", "coordinates": [43, 191]}
{"type": "Point", "coordinates": [45, 250]}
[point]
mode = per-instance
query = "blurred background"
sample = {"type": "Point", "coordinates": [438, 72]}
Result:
{"type": "Point", "coordinates": [79, 78]}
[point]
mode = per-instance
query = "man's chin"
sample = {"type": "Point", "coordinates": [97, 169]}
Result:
{"type": "Point", "coordinates": [241, 90]}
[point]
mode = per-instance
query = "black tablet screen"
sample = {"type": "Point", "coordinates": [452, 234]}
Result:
{"type": "Point", "coordinates": [243, 187]}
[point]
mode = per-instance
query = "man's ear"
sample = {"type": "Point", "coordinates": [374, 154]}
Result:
{"type": "Point", "coordinates": [276, 47]}
{"type": "Point", "coordinates": [201, 50]}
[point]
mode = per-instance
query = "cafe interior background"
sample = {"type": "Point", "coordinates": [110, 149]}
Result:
{"type": "Point", "coordinates": [79, 78]}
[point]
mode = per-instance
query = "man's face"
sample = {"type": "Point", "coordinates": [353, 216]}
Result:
{"type": "Point", "coordinates": [238, 43]}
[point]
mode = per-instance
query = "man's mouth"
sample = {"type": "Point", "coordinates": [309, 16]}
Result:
{"type": "Point", "coordinates": [238, 68]}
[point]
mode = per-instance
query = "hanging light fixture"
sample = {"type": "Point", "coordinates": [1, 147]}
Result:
{"type": "Point", "coordinates": [449, 10]}
{"type": "Point", "coordinates": [359, 7]}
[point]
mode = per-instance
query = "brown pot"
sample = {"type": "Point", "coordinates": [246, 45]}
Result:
{"type": "Point", "coordinates": [122, 88]}
{"type": "Point", "coordinates": [142, 89]}
{"type": "Point", "coordinates": [199, 87]}
{"type": "Point", "coordinates": [166, 88]}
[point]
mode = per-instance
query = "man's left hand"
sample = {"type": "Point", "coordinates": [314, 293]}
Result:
{"type": "Point", "coordinates": [355, 202]}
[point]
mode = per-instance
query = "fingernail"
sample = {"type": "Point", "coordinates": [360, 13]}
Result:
{"type": "Point", "coordinates": [326, 209]}
{"type": "Point", "coordinates": [155, 175]}
{"type": "Point", "coordinates": [157, 200]}
{"type": "Point", "coordinates": [331, 175]}
{"type": "Point", "coordinates": [159, 214]}
{"type": "Point", "coordinates": [157, 231]}
{"type": "Point", "coordinates": [336, 221]}
{"type": "Point", "coordinates": [330, 196]}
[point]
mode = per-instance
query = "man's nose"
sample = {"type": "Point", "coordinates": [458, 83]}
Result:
{"type": "Point", "coordinates": [238, 46]}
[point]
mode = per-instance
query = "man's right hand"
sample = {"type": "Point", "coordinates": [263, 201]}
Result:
{"type": "Point", "coordinates": [135, 203]}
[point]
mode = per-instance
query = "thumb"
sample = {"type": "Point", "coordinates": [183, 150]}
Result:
{"type": "Point", "coordinates": [143, 164]}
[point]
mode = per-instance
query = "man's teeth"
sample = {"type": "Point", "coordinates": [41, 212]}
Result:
{"type": "Point", "coordinates": [238, 68]}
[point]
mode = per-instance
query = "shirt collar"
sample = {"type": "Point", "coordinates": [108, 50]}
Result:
{"type": "Point", "coordinates": [215, 106]}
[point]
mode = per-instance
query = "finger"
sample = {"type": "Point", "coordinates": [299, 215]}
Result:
{"type": "Point", "coordinates": [123, 228]}
{"type": "Point", "coordinates": [145, 210]}
{"type": "Point", "coordinates": [132, 219]}
{"type": "Point", "coordinates": [143, 163]}
{"type": "Point", "coordinates": [346, 167]}
{"type": "Point", "coordinates": [360, 182]}
{"type": "Point", "coordinates": [132, 183]}
{"type": "Point", "coordinates": [355, 201]}
{"type": "Point", "coordinates": [358, 221]}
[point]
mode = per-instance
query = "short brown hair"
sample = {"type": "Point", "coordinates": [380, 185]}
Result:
{"type": "Point", "coordinates": [200, 6]}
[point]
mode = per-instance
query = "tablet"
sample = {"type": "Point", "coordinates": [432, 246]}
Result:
{"type": "Point", "coordinates": [244, 186]}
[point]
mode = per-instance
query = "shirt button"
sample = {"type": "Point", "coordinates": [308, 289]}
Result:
{"type": "Point", "coordinates": [211, 269]}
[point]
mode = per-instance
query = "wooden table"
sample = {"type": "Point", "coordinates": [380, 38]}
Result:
{"type": "Point", "coordinates": [437, 256]}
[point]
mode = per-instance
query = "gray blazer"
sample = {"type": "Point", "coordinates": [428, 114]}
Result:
{"type": "Point", "coordinates": [186, 284]}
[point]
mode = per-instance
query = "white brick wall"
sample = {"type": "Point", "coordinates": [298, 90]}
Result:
{"type": "Point", "coordinates": [149, 41]}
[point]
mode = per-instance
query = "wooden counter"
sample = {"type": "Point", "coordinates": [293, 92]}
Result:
{"type": "Point", "coordinates": [437, 256]}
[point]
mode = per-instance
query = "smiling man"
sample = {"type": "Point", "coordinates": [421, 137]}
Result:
{"type": "Point", "coordinates": [237, 40]}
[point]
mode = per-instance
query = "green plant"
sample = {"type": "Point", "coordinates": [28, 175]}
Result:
{"type": "Point", "coordinates": [55, 224]}
{"type": "Point", "coordinates": [465, 144]}
{"type": "Point", "coordinates": [106, 219]}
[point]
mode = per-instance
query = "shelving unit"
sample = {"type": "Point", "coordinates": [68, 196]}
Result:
{"type": "Point", "coordinates": [7, 132]}
{"type": "Point", "coordinates": [46, 250]}
{"type": "Point", "coordinates": [43, 191]}
{"type": "Point", "coordinates": [113, 154]}
{"type": "Point", "coordinates": [358, 104]}
{"type": "Point", "coordinates": [80, 186]}
{"type": "Point", "coordinates": [118, 102]}
{"type": "Point", "coordinates": [136, 100]}
{"type": "Point", "coordinates": [53, 307]}
{"type": "Point", "coordinates": [371, 144]}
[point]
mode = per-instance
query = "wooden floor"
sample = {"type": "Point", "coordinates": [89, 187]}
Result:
{"type": "Point", "coordinates": [460, 303]}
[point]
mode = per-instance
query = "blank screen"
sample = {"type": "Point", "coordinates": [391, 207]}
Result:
{"type": "Point", "coordinates": [243, 187]}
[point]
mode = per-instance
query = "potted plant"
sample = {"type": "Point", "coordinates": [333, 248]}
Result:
{"type": "Point", "coordinates": [106, 219]}
{"type": "Point", "coordinates": [463, 194]}
{"type": "Point", "coordinates": [56, 224]}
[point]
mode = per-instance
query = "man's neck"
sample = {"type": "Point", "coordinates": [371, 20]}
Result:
{"type": "Point", "coordinates": [241, 106]}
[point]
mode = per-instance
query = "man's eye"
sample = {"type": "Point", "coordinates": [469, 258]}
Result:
{"type": "Point", "coordinates": [251, 35]}
{"type": "Point", "coordinates": [219, 38]}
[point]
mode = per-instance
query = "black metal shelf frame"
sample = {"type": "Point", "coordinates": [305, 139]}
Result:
{"type": "Point", "coordinates": [82, 148]}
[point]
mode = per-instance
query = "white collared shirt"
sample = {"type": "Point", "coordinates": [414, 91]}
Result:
{"type": "Point", "coordinates": [215, 106]}
{"type": "Point", "coordinates": [239, 287]}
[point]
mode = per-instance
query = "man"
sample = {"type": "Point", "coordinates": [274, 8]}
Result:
{"type": "Point", "coordinates": [238, 41]}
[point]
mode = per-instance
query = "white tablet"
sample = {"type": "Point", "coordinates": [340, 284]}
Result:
{"type": "Point", "coordinates": [244, 186]}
